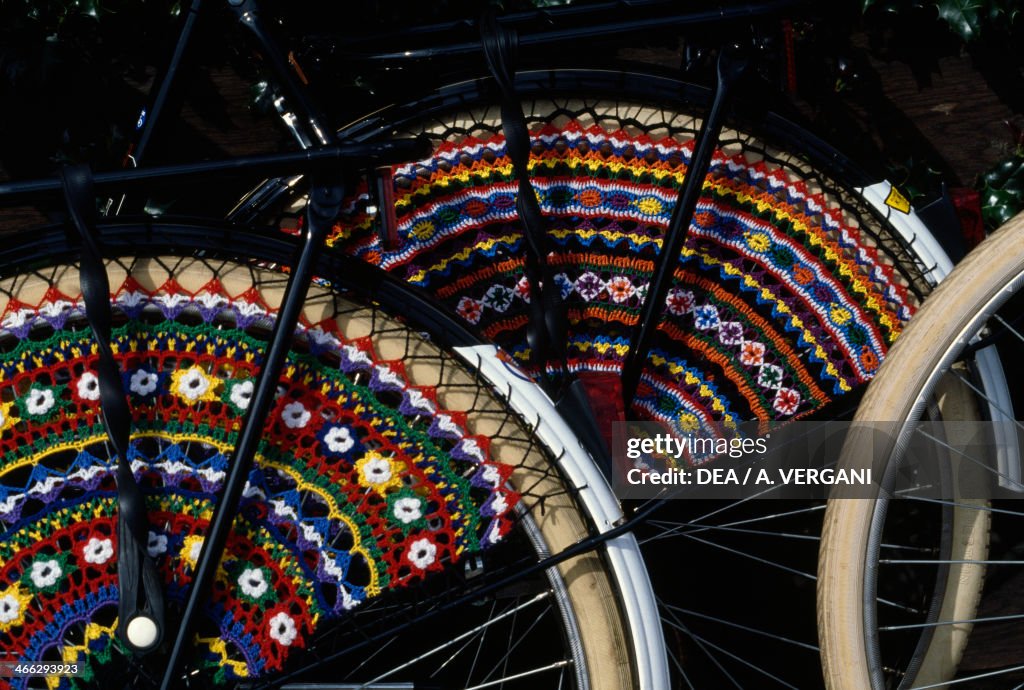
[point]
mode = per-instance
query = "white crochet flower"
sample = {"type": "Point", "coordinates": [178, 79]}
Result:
{"type": "Point", "coordinates": [156, 544]}
{"type": "Point", "coordinates": [377, 470]}
{"type": "Point", "coordinates": [98, 551]}
{"type": "Point", "coordinates": [40, 401]}
{"type": "Point", "coordinates": [408, 509]}
{"type": "Point", "coordinates": [10, 608]}
{"type": "Point", "coordinates": [89, 386]}
{"type": "Point", "coordinates": [295, 415]}
{"type": "Point", "coordinates": [422, 553]}
{"type": "Point", "coordinates": [143, 382]}
{"type": "Point", "coordinates": [339, 439]}
{"type": "Point", "coordinates": [241, 394]}
{"type": "Point", "coordinates": [253, 583]}
{"type": "Point", "coordinates": [282, 629]}
{"type": "Point", "coordinates": [193, 384]}
{"type": "Point", "coordinates": [45, 573]}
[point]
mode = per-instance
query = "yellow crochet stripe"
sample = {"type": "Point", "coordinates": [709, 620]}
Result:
{"type": "Point", "coordinates": [855, 276]}
{"type": "Point", "coordinates": [71, 654]}
{"type": "Point", "coordinates": [54, 449]}
{"type": "Point", "coordinates": [619, 349]}
{"type": "Point", "coordinates": [42, 528]}
{"type": "Point", "coordinates": [462, 256]}
{"type": "Point", "coordinates": [767, 295]}
{"type": "Point", "coordinates": [219, 647]}
{"type": "Point", "coordinates": [851, 272]}
{"type": "Point", "coordinates": [691, 380]}
{"type": "Point", "coordinates": [99, 436]}
{"type": "Point", "coordinates": [372, 589]}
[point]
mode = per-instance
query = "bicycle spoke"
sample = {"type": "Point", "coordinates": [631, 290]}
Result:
{"type": "Point", "coordinates": [743, 554]}
{"type": "Point", "coordinates": [678, 625]}
{"type": "Point", "coordinates": [524, 674]}
{"type": "Point", "coordinates": [968, 621]}
{"type": "Point", "coordinates": [469, 634]}
{"type": "Point", "coordinates": [980, 463]}
{"type": "Point", "coordinates": [739, 626]}
{"type": "Point", "coordinates": [969, 679]}
{"type": "Point", "coordinates": [738, 659]}
{"type": "Point", "coordinates": [968, 506]}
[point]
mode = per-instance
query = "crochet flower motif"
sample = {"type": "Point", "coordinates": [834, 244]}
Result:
{"type": "Point", "coordinates": [295, 415]}
{"type": "Point", "coordinates": [770, 376]}
{"type": "Point", "coordinates": [156, 544]}
{"type": "Point", "coordinates": [589, 286]}
{"type": "Point", "coordinates": [338, 440]}
{"type": "Point", "coordinates": [254, 584]}
{"type": "Point", "coordinates": [679, 301]}
{"type": "Point", "coordinates": [88, 386]}
{"type": "Point", "coordinates": [13, 603]}
{"type": "Point", "coordinates": [98, 551]}
{"type": "Point", "coordinates": [620, 289]}
{"type": "Point", "coordinates": [786, 401]}
{"type": "Point", "coordinates": [378, 472]}
{"type": "Point", "coordinates": [407, 509]}
{"type": "Point", "coordinates": [143, 383]}
{"type": "Point", "coordinates": [731, 333]}
{"type": "Point", "coordinates": [499, 297]}
{"type": "Point", "coordinates": [193, 385]}
{"type": "Point", "coordinates": [38, 402]}
{"type": "Point", "coordinates": [470, 309]}
{"type": "Point", "coordinates": [758, 241]}
{"type": "Point", "coordinates": [45, 573]}
{"type": "Point", "coordinates": [705, 317]}
{"type": "Point", "coordinates": [283, 629]}
{"type": "Point", "coordinates": [752, 353]}
{"type": "Point", "coordinates": [240, 395]}
{"type": "Point", "coordinates": [422, 553]}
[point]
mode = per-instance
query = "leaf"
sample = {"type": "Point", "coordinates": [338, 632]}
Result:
{"type": "Point", "coordinates": [963, 16]}
{"type": "Point", "coordinates": [1002, 171]}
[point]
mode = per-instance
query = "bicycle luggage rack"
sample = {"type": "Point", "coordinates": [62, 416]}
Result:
{"type": "Point", "coordinates": [384, 153]}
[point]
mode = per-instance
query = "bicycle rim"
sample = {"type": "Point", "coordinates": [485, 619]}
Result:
{"type": "Point", "coordinates": [966, 320]}
{"type": "Point", "coordinates": [387, 471]}
{"type": "Point", "coordinates": [609, 152]}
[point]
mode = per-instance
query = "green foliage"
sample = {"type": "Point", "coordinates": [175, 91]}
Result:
{"type": "Point", "coordinates": [965, 18]}
{"type": "Point", "coordinates": [1002, 191]}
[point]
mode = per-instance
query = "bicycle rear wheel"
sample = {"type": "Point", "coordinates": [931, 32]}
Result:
{"type": "Point", "coordinates": [389, 469]}
{"type": "Point", "coordinates": [798, 275]}
{"type": "Point", "coordinates": [976, 309]}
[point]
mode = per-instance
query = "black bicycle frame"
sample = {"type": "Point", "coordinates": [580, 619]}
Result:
{"type": "Point", "coordinates": [321, 212]}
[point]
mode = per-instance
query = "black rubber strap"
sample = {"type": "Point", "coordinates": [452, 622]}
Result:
{"type": "Point", "coordinates": [548, 322]}
{"type": "Point", "coordinates": [134, 566]}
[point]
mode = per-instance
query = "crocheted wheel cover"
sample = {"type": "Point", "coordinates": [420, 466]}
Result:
{"type": "Point", "coordinates": [780, 301]}
{"type": "Point", "coordinates": [362, 482]}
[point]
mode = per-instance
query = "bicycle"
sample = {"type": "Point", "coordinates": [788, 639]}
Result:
{"type": "Point", "coordinates": [913, 255]}
{"type": "Point", "coordinates": [977, 306]}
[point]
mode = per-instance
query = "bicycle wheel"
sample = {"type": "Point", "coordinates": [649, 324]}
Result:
{"type": "Point", "coordinates": [798, 274]}
{"type": "Point", "coordinates": [975, 310]}
{"type": "Point", "coordinates": [393, 478]}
